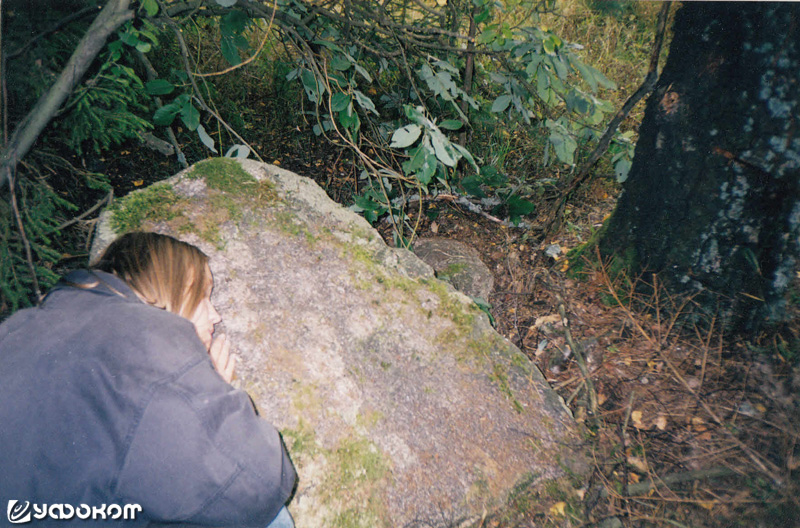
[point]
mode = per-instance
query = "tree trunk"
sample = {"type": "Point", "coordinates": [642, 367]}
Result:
{"type": "Point", "coordinates": [712, 202]}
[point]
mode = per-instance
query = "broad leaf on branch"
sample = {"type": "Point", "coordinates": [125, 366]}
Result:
{"type": "Point", "coordinates": [405, 136]}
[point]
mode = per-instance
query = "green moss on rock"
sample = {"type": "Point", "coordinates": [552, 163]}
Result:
{"type": "Point", "coordinates": [155, 203]}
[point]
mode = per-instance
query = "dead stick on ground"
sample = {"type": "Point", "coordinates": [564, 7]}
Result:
{"type": "Point", "coordinates": [578, 352]}
{"type": "Point", "coordinates": [676, 478]}
{"type": "Point", "coordinates": [764, 465]}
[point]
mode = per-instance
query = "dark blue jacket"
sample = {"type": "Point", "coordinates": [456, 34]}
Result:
{"type": "Point", "coordinates": [107, 400]}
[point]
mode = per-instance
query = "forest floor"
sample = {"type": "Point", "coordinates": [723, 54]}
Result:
{"type": "Point", "coordinates": [701, 431]}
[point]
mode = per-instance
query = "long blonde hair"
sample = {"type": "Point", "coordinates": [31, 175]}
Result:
{"type": "Point", "coordinates": [162, 270]}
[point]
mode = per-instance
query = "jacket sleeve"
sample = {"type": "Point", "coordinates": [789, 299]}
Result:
{"type": "Point", "coordinates": [200, 455]}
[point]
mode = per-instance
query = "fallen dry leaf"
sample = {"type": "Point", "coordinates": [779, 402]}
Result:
{"type": "Point", "coordinates": [547, 319]}
{"type": "Point", "coordinates": [636, 416]}
{"type": "Point", "coordinates": [558, 508]}
{"type": "Point", "coordinates": [639, 463]}
{"type": "Point", "coordinates": [661, 422]}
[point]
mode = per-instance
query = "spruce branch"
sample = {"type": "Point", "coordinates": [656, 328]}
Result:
{"type": "Point", "coordinates": [113, 15]}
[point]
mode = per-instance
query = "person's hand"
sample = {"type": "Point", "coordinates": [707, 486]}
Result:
{"type": "Point", "coordinates": [220, 353]}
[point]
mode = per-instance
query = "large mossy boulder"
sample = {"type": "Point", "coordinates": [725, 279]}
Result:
{"type": "Point", "coordinates": [398, 402]}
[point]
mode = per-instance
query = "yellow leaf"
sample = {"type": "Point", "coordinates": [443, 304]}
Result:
{"type": "Point", "coordinates": [709, 505]}
{"type": "Point", "coordinates": [558, 508]}
{"type": "Point", "coordinates": [601, 398]}
{"type": "Point", "coordinates": [760, 408]}
{"type": "Point", "coordinates": [638, 463]}
{"type": "Point", "coordinates": [276, 162]}
{"type": "Point", "coordinates": [636, 416]}
{"type": "Point", "coordinates": [138, 183]}
{"type": "Point", "coordinates": [441, 3]}
{"type": "Point", "coordinates": [552, 319]}
{"type": "Point", "coordinates": [661, 422]}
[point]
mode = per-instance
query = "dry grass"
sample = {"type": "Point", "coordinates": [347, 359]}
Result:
{"type": "Point", "coordinates": [691, 429]}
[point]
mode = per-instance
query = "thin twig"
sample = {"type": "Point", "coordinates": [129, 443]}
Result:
{"type": "Point", "coordinates": [105, 200]}
{"type": "Point", "coordinates": [641, 488]}
{"type": "Point", "coordinates": [577, 350]}
{"type": "Point", "coordinates": [198, 95]}
{"type": "Point", "coordinates": [249, 59]}
{"type": "Point", "coordinates": [764, 465]}
{"type": "Point", "coordinates": [23, 237]}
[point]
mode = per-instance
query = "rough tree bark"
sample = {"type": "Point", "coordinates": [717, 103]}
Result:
{"type": "Point", "coordinates": [712, 202]}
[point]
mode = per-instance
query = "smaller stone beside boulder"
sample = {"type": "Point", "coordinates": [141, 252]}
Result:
{"type": "Point", "coordinates": [458, 264]}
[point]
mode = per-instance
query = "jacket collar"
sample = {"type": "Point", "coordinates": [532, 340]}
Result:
{"type": "Point", "coordinates": [96, 281]}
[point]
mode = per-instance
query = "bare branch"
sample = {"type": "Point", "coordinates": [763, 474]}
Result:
{"type": "Point", "coordinates": [113, 15]}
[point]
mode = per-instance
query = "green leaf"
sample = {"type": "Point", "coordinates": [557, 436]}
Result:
{"type": "Point", "coordinates": [518, 207]}
{"type": "Point", "coordinates": [313, 89]}
{"type": "Point", "coordinates": [501, 103]}
{"type": "Point", "coordinates": [365, 102]}
{"type": "Point", "coordinates": [466, 155]}
{"type": "Point", "coordinates": [405, 136]}
{"type": "Point", "coordinates": [238, 151]}
{"type": "Point", "coordinates": [561, 69]}
{"type": "Point", "coordinates": [330, 45]}
{"type": "Point", "coordinates": [340, 101]}
{"type": "Point", "coordinates": [361, 71]}
{"type": "Point", "coordinates": [451, 124]}
{"type": "Point", "coordinates": [159, 87]}
{"type": "Point", "coordinates": [144, 47]}
{"type": "Point", "coordinates": [350, 121]}
{"type": "Point", "coordinates": [190, 116]}
{"type": "Point", "coordinates": [415, 162]}
{"type": "Point", "coordinates": [444, 149]}
{"type": "Point", "coordinates": [129, 37]}
{"type": "Point", "coordinates": [565, 146]}
{"type": "Point", "coordinates": [586, 73]}
{"type": "Point", "coordinates": [428, 168]}
{"type": "Point", "coordinates": [621, 170]}
{"type": "Point", "coordinates": [472, 184]}
{"type": "Point", "coordinates": [340, 63]}
{"type": "Point", "coordinates": [483, 15]}
{"type": "Point", "coordinates": [414, 114]}
{"type": "Point", "coordinates": [226, 3]}
{"type": "Point", "coordinates": [487, 35]}
{"type": "Point", "coordinates": [166, 114]}
{"type": "Point", "coordinates": [230, 51]}
{"type": "Point", "coordinates": [207, 140]}
{"type": "Point", "coordinates": [234, 23]}
{"type": "Point", "coordinates": [150, 7]}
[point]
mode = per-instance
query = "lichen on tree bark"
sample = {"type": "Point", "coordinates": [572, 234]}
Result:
{"type": "Point", "coordinates": [712, 203]}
